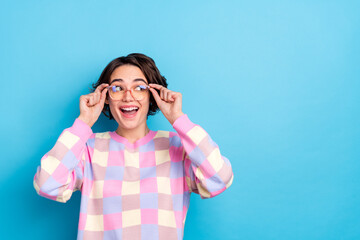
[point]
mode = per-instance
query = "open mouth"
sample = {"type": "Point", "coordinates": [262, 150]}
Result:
{"type": "Point", "coordinates": [129, 110]}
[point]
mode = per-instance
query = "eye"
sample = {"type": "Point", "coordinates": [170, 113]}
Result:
{"type": "Point", "coordinates": [116, 88]}
{"type": "Point", "coordinates": [140, 88]}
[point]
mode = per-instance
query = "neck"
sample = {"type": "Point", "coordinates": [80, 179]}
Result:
{"type": "Point", "coordinates": [134, 134]}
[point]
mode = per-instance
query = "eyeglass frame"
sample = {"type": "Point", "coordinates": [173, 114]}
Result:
{"type": "Point", "coordinates": [131, 92]}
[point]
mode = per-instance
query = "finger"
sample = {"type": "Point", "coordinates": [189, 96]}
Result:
{"type": "Point", "coordinates": [91, 100]}
{"type": "Point", "coordinates": [156, 96]}
{"type": "Point", "coordinates": [162, 94]}
{"type": "Point", "coordinates": [167, 95]}
{"type": "Point", "coordinates": [172, 96]}
{"type": "Point", "coordinates": [94, 102]}
{"type": "Point", "coordinates": [84, 100]}
{"type": "Point", "coordinates": [98, 92]}
{"type": "Point", "coordinates": [101, 87]}
{"type": "Point", "coordinates": [178, 99]}
{"type": "Point", "coordinates": [157, 86]}
{"type": "Point", "coordinates": [97, 98]}
{"type": "Point", "coordinates": [103, 96]}
{"type": "Point", "coordinates": [88, 101]}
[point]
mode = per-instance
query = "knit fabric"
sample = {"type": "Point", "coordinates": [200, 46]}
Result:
{"type": "Point", "coordinates": [137, 190]}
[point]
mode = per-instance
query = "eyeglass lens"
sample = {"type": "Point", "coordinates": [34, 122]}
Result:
{"type": "Point", "coordinates": [138, 92]}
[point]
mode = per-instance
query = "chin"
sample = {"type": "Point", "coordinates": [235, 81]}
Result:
{"type": "Point", "coordinates": [127, 125]}
{"type": "Point", "coordinates": [130, 123]}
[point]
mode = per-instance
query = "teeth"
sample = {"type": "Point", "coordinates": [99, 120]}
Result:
{"type": "Point", "coordinates": [130, 108]}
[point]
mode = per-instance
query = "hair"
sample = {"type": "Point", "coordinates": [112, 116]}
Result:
{"type": "Point", "coordinates": [146, 65]}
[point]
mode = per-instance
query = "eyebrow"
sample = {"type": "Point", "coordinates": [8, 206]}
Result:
{"type": "Point", "coordinates": [135, 80]}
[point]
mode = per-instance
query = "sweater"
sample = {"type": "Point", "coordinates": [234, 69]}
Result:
{"type": "Point", "coordinates": [137, 190]}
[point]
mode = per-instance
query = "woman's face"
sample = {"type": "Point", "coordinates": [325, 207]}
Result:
{"type": "Point", "coordinates": [128, 76]}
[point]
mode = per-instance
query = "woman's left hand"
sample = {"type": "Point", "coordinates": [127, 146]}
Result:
{"type": "Point", "coordinates": [169, 102]}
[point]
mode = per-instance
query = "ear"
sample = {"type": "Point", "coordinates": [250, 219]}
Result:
{"type": "Point", "coordinates": [106, 100]}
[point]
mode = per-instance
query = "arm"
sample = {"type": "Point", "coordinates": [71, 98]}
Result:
{"type": "Point", "coordinates": [61, 169]}
{"type": "Point", "coordinates": [208, 173]}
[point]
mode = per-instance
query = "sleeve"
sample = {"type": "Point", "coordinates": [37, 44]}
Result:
{"type": "Point", "coordinates": [207, 172]}
{"type": "Point", "coordinates": [61, 169]}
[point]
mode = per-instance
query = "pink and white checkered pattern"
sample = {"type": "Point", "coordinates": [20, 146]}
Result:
{"type": "Point", "coordinates": [135, 190]}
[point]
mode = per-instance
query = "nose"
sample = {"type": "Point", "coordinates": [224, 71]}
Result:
{"type": "Point", "coordinates": [127, 97]}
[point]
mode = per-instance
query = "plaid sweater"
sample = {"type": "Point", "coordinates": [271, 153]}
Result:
{"type": "Point", "coordinates": [137, 190]}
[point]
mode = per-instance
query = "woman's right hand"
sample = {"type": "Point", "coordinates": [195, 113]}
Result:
{"type": "Point", "coordinates": [92, 104]}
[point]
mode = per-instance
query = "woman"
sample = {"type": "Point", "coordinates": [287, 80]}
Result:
{"type": "Point", "coordinates": [135, 183]}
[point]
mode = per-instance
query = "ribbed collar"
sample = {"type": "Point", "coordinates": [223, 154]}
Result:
{"type": "Point", "coordinates": [150, 135]}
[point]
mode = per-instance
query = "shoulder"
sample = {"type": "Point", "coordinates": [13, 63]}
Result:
{"type": "Point", "coordinates": [98, 136]}
{"type": "Point", "coordinates": [102, 135]}
{"type": "Point", "coordinates": [171, 137]}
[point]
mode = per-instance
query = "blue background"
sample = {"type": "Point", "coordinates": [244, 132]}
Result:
{"type": "Point", "coordinates": [275, 83]}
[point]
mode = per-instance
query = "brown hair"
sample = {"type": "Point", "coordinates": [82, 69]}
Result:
{"type": "Point", "coordinates": [146, 65]}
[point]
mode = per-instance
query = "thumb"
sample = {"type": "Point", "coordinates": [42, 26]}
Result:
{"type": "Point", "coordinates": [156, 96]}
{"type": "Point", "coordinates": [84, 100]}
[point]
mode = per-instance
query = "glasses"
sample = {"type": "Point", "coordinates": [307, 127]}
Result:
{"type": "Point", "coordinates": [138, 92]}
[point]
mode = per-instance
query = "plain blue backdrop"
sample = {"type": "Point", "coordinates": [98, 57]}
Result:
{"type": "Point", "coordinates": [276, 84]}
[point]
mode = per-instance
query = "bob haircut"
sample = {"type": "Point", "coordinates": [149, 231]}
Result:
{"type": "Point", "coordinates": [146, 65]}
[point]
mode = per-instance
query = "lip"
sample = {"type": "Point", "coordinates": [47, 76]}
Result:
{"type": "Point", "coordinates": [127, 115]}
